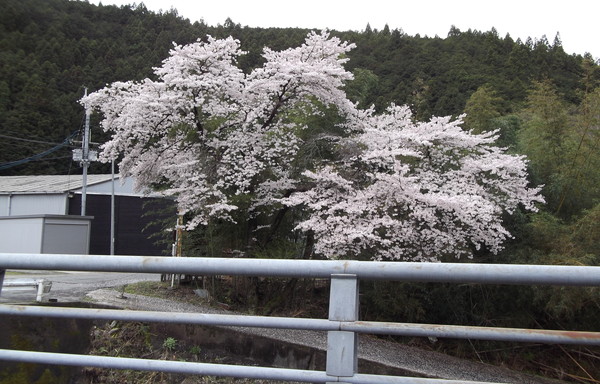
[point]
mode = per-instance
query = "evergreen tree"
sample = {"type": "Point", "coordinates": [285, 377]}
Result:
{"type": "Point", "coordinates": [545, 131]}
{"type": "Point", "coordinates": [481, 109]}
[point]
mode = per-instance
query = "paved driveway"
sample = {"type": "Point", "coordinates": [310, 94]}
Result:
{"type": "Point", "coordinates": [68, 286]}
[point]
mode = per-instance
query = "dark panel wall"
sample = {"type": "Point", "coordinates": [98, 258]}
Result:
{"type": "Point", "coordinates": [136, 220]}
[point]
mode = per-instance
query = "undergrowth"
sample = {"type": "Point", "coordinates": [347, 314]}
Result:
{"type": "Point", "coordinates": [138, 340]}
{"type": "Point", "coordinates": [304, 298]}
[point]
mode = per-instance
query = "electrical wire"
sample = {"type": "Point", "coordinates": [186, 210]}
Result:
{"type": "Point", "coordinates": [29, 140]}
{"type": "Point", "coordinates": [40, 155]}
{"type": "Point", "coordinates": [66, 143]}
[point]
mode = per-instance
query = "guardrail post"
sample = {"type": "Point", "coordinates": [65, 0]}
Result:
{"type": "Point", "coordinates": [43, 287]}
{"type": "Point", "coordinates": [342, 346]}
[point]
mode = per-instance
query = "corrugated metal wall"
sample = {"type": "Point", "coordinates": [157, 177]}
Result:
{"type": "Point", "coordinates": [34, 204]}
{"type": "Point", "coordinates": [132, 216]}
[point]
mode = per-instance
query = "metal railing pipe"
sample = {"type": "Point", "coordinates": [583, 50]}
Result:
{"type": "Point", "coordinates": [206, 369]}
{"type": "Point", "coordinates": [370, 327]}
{"type": "Point", "coordinates": [361, 378]}
{"type": "Point", "coordinates": [402, 271]}
{"type": "Point", "coordinates": [342, 324]}
{"type": "Point", "coordinates": [171, 317]}
{"type": "Point", "coordinates": [475, 333]}
{"type": "Point", "coordinates": [166, 366]}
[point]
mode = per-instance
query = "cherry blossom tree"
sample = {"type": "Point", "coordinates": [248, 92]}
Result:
{"type": "Point", "coordinates": [414, 191]}
{"type": "Point", "coordinates": [214, 137]}
{"type": "Point", "coordinates": [209, 132]}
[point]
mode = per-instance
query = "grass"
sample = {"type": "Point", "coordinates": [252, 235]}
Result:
{"type": "Point", "coordinates": [163, 290]}
{"type": "Point", "coordinates": [146, 288]}
{"type": "Point", "coordinates": [12, 273]}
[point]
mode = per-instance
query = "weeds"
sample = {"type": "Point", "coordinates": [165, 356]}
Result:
{"type": "Point", "coordinates": [124, 339]}
{"type": "Point", "coordinates": [170, 344]}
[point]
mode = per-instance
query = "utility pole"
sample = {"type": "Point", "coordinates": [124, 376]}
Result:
{"type": "Point", "coordinates": [112, 207]}
{"type": "Point", "coordinates": [85, 158]}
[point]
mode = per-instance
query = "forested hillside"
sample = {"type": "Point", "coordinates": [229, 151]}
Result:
{"type": "Point", "coordinates": [543, 102]}
{"type": "Point", "coordinates": [51, 49]}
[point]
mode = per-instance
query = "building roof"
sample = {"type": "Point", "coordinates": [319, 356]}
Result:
{"type": "Point", "coordinates": [47, 183]}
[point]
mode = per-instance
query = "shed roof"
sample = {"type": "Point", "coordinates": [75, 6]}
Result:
{"type": "Point", "coordinates": [47, 183]}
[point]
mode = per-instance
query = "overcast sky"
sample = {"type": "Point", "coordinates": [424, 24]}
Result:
{"type": "Point", "coordinates": [575, 20]}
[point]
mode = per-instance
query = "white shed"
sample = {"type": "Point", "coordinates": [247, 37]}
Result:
{"type": "Point", "coordinates": [62, 234]}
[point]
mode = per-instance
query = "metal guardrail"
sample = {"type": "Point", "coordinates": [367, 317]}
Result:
{"type": "Point", "coordinates": [41, 286]}
{"type": "Point", "coordinates": [342, 325]}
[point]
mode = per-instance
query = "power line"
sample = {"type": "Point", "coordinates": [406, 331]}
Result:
{"type": "Point", "coordinates": [39, 155]}
{"type": "Point", "coordinates": [29, 140]}
{"type": "Point", "coordinates": [19, 145]}
{"type": "Point", "coordinates": [56, 158]}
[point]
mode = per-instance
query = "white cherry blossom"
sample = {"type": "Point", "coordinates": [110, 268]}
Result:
{"type": "Point", "coordinates": [206, 133]}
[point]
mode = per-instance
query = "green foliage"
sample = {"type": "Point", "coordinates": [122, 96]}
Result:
{"type": "Point", "coordinates": [574, 308]}
{"type": "Point", "coordinates": [582, 186]}
{"type": "Point", "coordinates": [548, 239]}
{"type": "Point", "coordinates": [562, 141]}
{"type": "Point", "coordinates": [586, 234]}
{"type": "Point", "coordinates": [384, 301]}
{"type": "Point", "coordinates": [545, 131]}
{"type": "Point", "coordinates": [566, 243]}
{"type": "Point", "coordinates": [508, 127]}
{"type": "Point", "coordinates": [170, 344]}
{"type": "Point", "coordinates": [195, 350]}
{"type": "Point", "coordinates": [481, 109]}
{"type": "Point", "coordinates": [363, 88]}
{"type": "Point", "coordinates": [465, 304]}
{"type": "Point", "coordinates": [50, 49]}
{"type": "Point", "coordinates": [545, 104]}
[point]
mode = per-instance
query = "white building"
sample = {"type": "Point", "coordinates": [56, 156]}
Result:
{"type": "Point", "coordinates": [42, 214]}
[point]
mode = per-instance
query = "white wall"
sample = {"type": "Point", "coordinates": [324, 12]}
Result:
{"type": "Point", "coordinates": [122, 187]}
{"type": "Point", "coordinates": [3, 205]}
{"type": "Point", "coordinates": [35, 204]}
{"type": "Point", "coordinates": [21, 235]}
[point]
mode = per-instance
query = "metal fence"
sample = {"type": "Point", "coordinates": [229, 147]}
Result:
{"type": "Point", "coordinates": [342, 325]}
